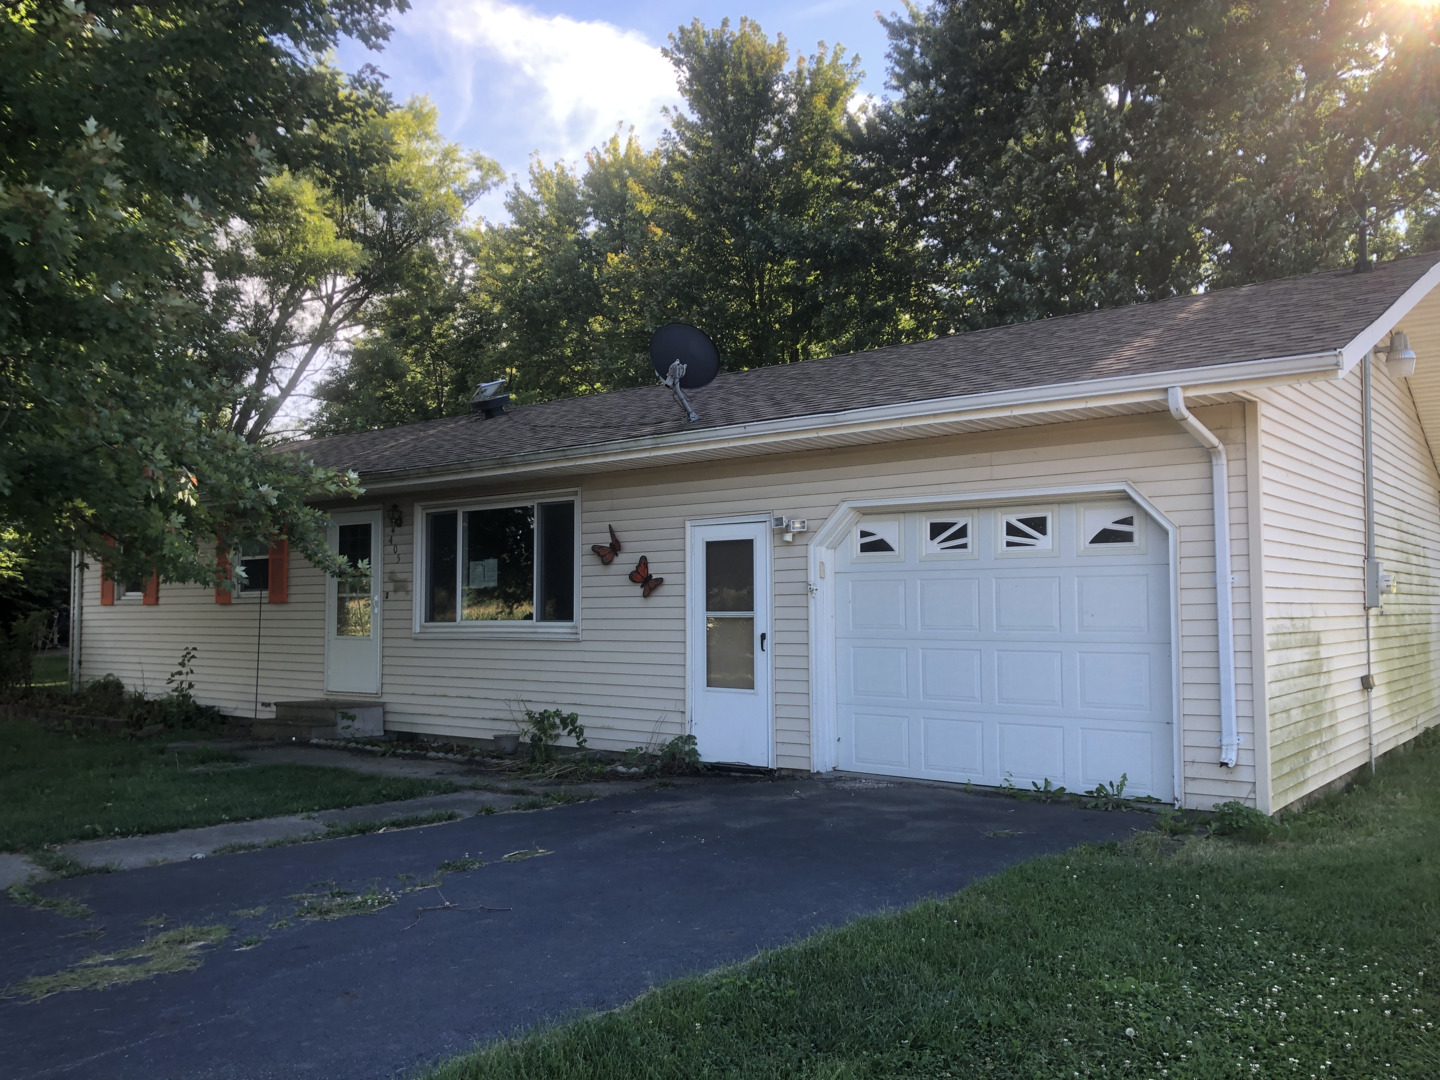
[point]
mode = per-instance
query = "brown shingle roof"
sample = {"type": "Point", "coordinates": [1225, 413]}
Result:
{"type": "Point", "coordinates": [1289, 317]}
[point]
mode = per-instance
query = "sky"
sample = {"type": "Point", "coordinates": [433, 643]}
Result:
{"type": "Point", "coordinates": [557, 77]}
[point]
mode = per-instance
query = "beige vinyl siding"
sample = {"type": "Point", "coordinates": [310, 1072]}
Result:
{"type": "Point", "coordinates": [1312, 477]}
{"type": "Point", "coordinates": [143, 645]}
{"type": "Point", "coordinates": [625, 672]}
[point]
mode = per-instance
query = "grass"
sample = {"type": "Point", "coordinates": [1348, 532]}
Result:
{"type": "Point", "coordinates": [336, 829]}
{"type": "Point", "coordinates": [58, 786]}
{"type": "Point", "coordinates": [336, 903]}
{"type": "Point", "coordinates": [1311, 954]}
{"type": "Point", "coordinates": [60, 905]}
{"type": "Point", "coordinates": [161, 954]}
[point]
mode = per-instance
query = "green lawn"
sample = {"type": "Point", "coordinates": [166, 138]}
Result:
{"type": "Point", "coordinates": [1312, 955]}
{"type": "Point", "coordinates": [57, 786]}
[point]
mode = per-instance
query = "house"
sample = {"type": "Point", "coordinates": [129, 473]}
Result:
{"type": "Point", "coordinates": [981, 558]}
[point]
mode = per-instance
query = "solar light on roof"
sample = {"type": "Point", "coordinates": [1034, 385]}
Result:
{"type": "Point", "coordinates": [488, 401]}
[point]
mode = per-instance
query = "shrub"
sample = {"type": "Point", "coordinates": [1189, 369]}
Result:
{"type": "Point", "coordinates": [544, 728]}
{"type": "Point", "coordinates": [1245, 822]}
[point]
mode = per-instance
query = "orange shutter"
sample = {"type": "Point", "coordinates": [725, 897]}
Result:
{"type": "Point", "coordinates": [107, 580]}
{"type": "Point", "coordinates": [151, 595]}
{"type": "Point", "coordinates": [222, 594]}
{"type": "Point", "coordinates": [280, 572]}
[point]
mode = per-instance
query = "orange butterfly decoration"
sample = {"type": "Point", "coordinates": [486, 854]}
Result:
{"type": "Point", "coordinates": [607, 553]}
{"type": "Point", "coordinates": [647, 581]}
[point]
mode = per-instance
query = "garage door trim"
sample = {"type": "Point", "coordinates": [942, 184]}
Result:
{"type": "Point", "coordinates": [824, 710]}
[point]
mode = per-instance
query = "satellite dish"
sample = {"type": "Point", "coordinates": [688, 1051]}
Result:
{"type": "Point", "coordinates": [691, 348]}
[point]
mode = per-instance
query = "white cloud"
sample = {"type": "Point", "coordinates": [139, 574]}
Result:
{"type": "Point", "coordinates": [560, 84]}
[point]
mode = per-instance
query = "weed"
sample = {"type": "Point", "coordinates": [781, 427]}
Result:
{"type": "Point", "coordinates": [280, 924]}
{"type": "Point", "coordinates": [249, 912]}
{"type": "Point", "coordinates": [60, 905]}
{"type": "Point", "coordinates": [679, 757]}
{"type": "Point", "coordinates": [486, 809]}
{"type": "Point", "coordinates": [155, 922]}
{"type": "Point", "coordinates": [1109, 796]}
{"type": "Point", "coordinates": [1047, 794]}
{"type": "Point", "coordinates": [526, 853]}
{"type": "Point", "coordinates": [60, 865]}
{"type": "Point", "coordinates": [164, 953]}
{"type": "Point", "coordinates": [338, 903]}
{"type": "Point", "coordinates": [665, 785]}
{"type": "Point", "coordinates": [1001, 833]}
{"type": "Point", "coordinates": [543, 730]}
{"type": "Point", "coordinates": [251, 941]}
{"type": "Point", "coordinates": [1174, 822]}
{"type": "Point", "coordinates": [336, 829]}
{"type": "Point", "coordinates": [459, 866]}
{"type": "Point", "coordinates": [1241, 821]}
{"type": "Point", "coordinates": [237, 847]}
{"type": "Point", "coordinates": [552, 798]}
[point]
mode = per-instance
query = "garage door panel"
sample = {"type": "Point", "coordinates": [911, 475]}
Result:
{"type": "Point", "coordinates": [952, 745]}
{"type": "Point", "coordinates": [949, 603]}
{"type": "Point", "coordinates": [1107, 754]}
{"type": "Point", "coordinates": [1115, 680]}
{"type": "Point", "coordinates": [1029, 677]}
{"type": "Point", "coordinates": [879, 672]}
{"type": "Point", "coordinates": [877, 604]}
{"type": "Point", "coordinates": [1032, 752]}
{"type": "Point", "coordinates": [1112, 602]}
{"type": "Point", "coordinates": [881, 739]}
{"type": "Point", "coordinates": [1028, 665]}
{"type": "Point", "coordinates": [950, 675]}
{"type": "Point", "coordinates": [1027, 604]}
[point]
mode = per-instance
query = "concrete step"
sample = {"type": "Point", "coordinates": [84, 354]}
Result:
{"type": "Point", "coordinates": [323, 718]}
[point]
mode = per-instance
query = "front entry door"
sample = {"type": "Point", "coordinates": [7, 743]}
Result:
{"type": "Point", "coordinates": [730, 642]}
{"type": "Point", "coordinates": [352, 608]}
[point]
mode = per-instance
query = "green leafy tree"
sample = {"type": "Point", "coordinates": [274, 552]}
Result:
{"type": "Point", "coordinates": [365, 217]}
{"type": "Point", "coordinates": [1061, 156]}
{"type": "Point", "coordinates": [127, 132]}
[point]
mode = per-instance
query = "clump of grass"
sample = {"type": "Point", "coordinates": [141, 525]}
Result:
{"type": "Point", "coordinates": [337, 829]}
{"type": "Point", "coordinates": [60, 905]}
{"type": "Point", "coordinates": [249, 942]}
{"type": "Point", "coordinates": [237, 847]}
{"type": "Point", "coordinates": [280, 924]}
{"type": "Point", "coordinates": [1189, 956]}
{"type": "Point", "coordinates": [459, 866]}
{"type": "Point", "coordinates": [338, 903]}
{"type": "Point", "coordinates": [58, 864]}
{"type": "Point", "coordinates": [164, 953]}
{"type": "Point", "coordinates": [526, 853]}
{"type": "Point", "coordinates": [249, 912]}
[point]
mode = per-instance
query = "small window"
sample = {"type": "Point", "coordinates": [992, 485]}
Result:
{"type": "Point", "coordinates": [947, 534]}
{"type": "Point", "coordinates": [255, 560]}
{"type": "Point", "coordinates": [133, 587]}
{"type": "Point", "coordinates": [1022, 532]}
{"type": "Point", "coordinates": [501, 564]}
{"type": "Point", "coordinates": [877, 538]}
{"type": "Point", "coordinates": [1109, 526]}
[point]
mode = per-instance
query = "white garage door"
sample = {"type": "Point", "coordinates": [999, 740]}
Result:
{"type": "Point", "coordinates": [1025, 643]}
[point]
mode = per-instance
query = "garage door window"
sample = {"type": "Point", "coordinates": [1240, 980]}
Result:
{"type": "Point", "coordinates": [944, 536]}
{"type": "Point", "coordinates": [1025, 532]}
{"type": "Point", "coordinates": [877, 538]}
{"type": "Point", "coordinates": [1110, 527]}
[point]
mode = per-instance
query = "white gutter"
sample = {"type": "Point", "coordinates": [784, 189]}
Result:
{"type": "Point", "coordinates": [1224, 605]}
{"type": "Point", "coordinates": [1368, 338]}
{"type": "Point", "coordinates": [775, 434]}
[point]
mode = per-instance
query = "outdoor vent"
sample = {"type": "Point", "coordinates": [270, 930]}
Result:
{"type": "Point", "coordinates": [488, 400]}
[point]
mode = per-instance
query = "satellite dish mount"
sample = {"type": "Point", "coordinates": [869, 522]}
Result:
{"type": "Point", "coordinates": [684, 358]}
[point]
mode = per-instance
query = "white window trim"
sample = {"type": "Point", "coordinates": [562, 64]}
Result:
{"type": "Point", "coordinates": [879, 556]}
{"type": "Point", "coordinates": [525, 629]}
{"type": "Point", "coordinates": [1134, 547]}
{"type": "Point", "coordinates": [971, 551]}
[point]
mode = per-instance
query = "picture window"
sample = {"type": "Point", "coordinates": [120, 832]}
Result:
{"type": "Point", "coordinates": [1026, 532]}
{"type": "Point", "coordinates": [501, 564]}
{"type": "Point", "coordinates": [947, 534]}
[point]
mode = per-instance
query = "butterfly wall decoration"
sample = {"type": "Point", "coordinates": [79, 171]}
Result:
{"type": "Point", "coordinates": [607, 552]}
{"type": "Point", "coordinates": [647, 581]}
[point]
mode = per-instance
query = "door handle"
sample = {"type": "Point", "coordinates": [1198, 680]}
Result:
{"type": "Point", "coordinates": [762, 641]}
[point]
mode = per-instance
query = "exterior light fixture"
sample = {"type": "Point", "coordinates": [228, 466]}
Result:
{"type": "Point", "coordinates": [1399, 357]}
{"type": "Point", "coordinates": [397, 516]}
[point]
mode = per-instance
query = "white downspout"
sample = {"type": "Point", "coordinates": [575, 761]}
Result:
{"type": "Point", "coordinates": [1224, 607]}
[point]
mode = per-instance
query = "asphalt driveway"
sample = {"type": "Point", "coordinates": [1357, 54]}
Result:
{"type": "Point", "coordinates": [635, 889]}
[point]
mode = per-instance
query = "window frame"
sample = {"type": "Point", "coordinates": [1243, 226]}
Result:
{"type": "Point", "coordinates": [1049, 551]}
{"type": "Point", "coordinates": [895, 555]}
{"type": "Point", "coordinates": [241, 558]}
{"type": "Point", "coordinates": [970, 551]}
{"type": "Point", "coordinates": [509, 628]}
{"type": "Point", "coordinates": [1135, 546]}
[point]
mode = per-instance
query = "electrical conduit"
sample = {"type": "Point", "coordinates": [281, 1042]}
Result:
{"type": "Point", "coordinates": [1224, 605]}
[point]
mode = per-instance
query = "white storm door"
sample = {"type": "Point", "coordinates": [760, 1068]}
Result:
{"type": "Point", "coordinates": [352, 608]}
{"type": "Point", "coordinates": [730, 642]}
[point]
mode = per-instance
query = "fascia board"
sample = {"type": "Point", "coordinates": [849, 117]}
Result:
{"type": "Point", "coordinates": [1368, 338]}
{"type": "Point", "coordinates": [1026, 401]}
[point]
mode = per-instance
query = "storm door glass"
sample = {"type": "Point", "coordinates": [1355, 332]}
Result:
{"type": "Point", "coordinates": [353, 595]}
{"type": "Point", "coordinates": [730, 614]}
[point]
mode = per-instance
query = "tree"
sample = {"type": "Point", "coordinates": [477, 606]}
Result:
{"type": "Point", "coordinates": [126, 132]}
{"type": "Point", "coordinates": [1060, 156]}
{"type": "Point", "coordinates": [363, 217]}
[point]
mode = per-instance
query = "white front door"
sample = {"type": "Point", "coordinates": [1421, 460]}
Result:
{"type": "Point", "coordinates": [352, 608]}
{"type": "Point", "coordinates": [1008, 644]}
{"type": "Point", "coordinates": [730, 642]}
